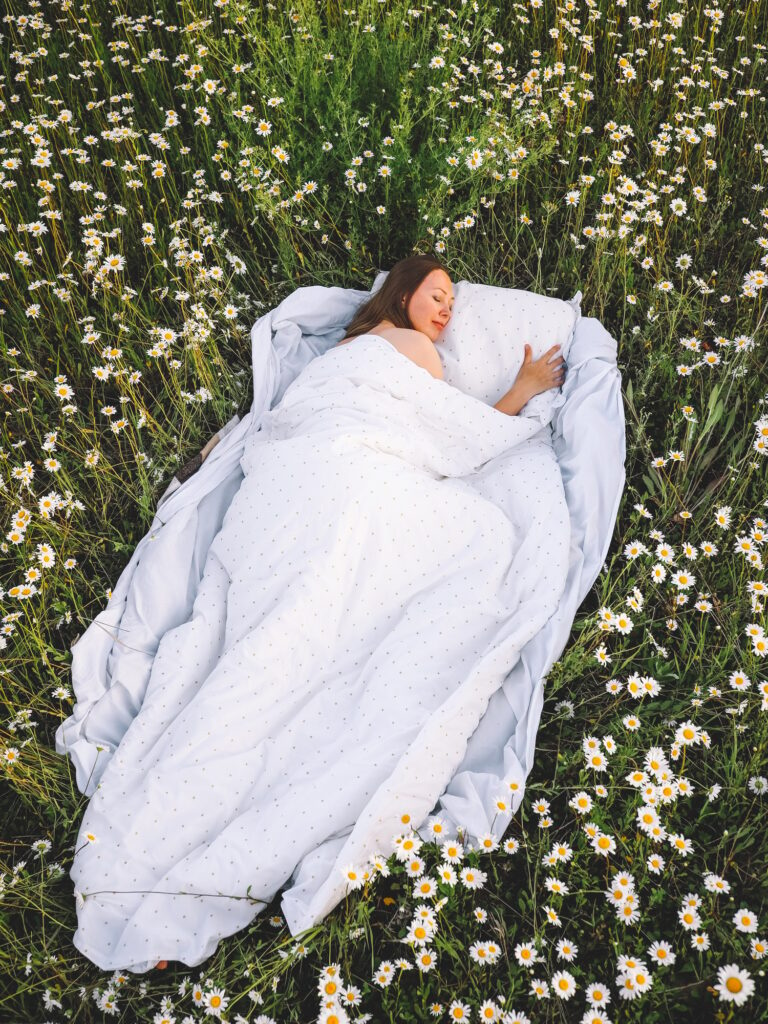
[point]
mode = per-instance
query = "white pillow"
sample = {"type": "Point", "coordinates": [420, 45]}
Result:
{"type": "Point", "coordinates": [482, 348]}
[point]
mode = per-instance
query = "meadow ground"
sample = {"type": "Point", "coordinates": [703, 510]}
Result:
{"type": "Point", "coordinates": [168, 175]}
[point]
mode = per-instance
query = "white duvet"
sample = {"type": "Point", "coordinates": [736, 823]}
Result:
{"type": "Point", "coordinates": [393, 545]}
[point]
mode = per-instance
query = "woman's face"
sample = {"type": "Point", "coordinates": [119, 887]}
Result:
{"type": "Point", "coordinates": [431, 305]}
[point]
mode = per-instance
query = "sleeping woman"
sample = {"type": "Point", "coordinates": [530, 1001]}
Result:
{"type": "Point", "coordinates": [411, 310]}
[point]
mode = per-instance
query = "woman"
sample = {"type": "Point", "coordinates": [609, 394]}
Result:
{"type": "Point", "coordinates": [411, 310]}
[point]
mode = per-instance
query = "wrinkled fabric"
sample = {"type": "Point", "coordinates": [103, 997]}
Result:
{"type": "Point", "coordinates": [463, 741]}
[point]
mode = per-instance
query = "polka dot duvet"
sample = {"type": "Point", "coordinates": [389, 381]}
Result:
{"type": "Point", "coordinates": [386, 550]}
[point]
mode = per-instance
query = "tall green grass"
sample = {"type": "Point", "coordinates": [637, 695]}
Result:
{"type": "Point", "coordinates": [169, 176]}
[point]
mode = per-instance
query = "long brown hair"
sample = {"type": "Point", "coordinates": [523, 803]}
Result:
{"type": "Point", "coordinates": [387, 303]}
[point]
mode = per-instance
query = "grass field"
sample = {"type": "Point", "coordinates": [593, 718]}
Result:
{"type": "Point", "coordinates": [167, 174]}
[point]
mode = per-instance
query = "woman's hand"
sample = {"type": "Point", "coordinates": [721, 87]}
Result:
{"type": "Point", "coordinates": [540, 375]}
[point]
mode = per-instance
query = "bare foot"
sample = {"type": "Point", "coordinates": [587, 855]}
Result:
{"type": "Point", "coordinates": [161, 965]}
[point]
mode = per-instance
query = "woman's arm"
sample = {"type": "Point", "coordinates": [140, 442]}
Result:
{"type": "Point", "coordinates": [515, 399]}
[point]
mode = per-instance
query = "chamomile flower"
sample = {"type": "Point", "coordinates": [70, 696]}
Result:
{"type": "Point", "coordinates": [734, 985]}
{"type": "Point", "coordinates": [661, 952]}
{"type": "Point", "coordinates": [563, 984]}
{"type": "Point", "coordinates": [745, 920]}
{"type": "Point", "coordinates": [526, 955]}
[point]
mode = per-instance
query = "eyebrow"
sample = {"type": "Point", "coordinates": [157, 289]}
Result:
{"type": "Point", "coordinates": [443, 290]}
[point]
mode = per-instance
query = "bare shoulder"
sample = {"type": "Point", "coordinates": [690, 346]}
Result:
{"type": "Point", "coordinates": [418, 347]}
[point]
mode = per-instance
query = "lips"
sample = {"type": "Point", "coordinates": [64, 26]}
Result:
{"type": "Point", "coordinates": [438, 325]}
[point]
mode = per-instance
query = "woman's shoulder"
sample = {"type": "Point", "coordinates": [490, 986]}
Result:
{"type": "Point", "coordinates": [417, 346]}
{"type": "Point", "coordinates": [399, 336]}
{"type": "Point", "coordinates": [403, 335]}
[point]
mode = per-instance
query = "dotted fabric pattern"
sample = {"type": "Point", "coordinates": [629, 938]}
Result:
{"type": "Point", "coordinates": [393, 545]}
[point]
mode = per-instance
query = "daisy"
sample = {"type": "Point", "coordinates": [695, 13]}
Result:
{"type": "Point", "coordinates": [566, 950]}
{"type": "Point", "coordinates": [539, 988]}
{"type": "Point", "coordinates": [458, 1010]}
{"type": "Point", "coordinates": [473, 878]}
{"type": "Point", "coordinates": [488, 842]}
{"type": "Point", "coordinates": [661, 952]}
{"type": "Point", "coordinates": [630, 964]}
{"type": "Point", "coordinates": [745, 920]}
{"type": "Point", "coordinates": [643, 981]}
{"type": "Point", "coordinates": [734, 984]}
{"type": "Point", "coordinates": [353, 876]}
{"type": "Point", "coordinates": [603, 844]}
{"type": "Point", "coordinates": [216, 1001]}
{"type": "Point", "coordinates": [351, 996]}
{"type": "Point", "coordinates": [626, 986]}
{"type": "Point", "coordinates": [415, 867]}
{"type": "Point", "coordinates": [425, 887]}
{"type": "Point", "coordinates": [563, 984]}
{"type": "Point", "coordinates": [452, 851]}
{"type": "Point", "coordinates": [689, 918]}
{"type": "Point", "coordinates": [597, 761]}
{"type": "Point", "coordinates": [597, 994]}
{"type": "Point", "coordinates": [581, 802]}
{"type": "Point", "coordinates": [425, 961]}
{"type": "Point", "coordinates": [552, 917]}
{"type": "Point", "coordinates": [436, 826]}
{"type": "Point", "coordinates": [557, 886]}
{"type": "Point", "coordinates": [526, 954]}
{"type": "Point", "coordinates": [419, 934]}
{"type": "Point", "coordinates": [627, 913]}
{"type": "Point", "coordinates": [681, 844]}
